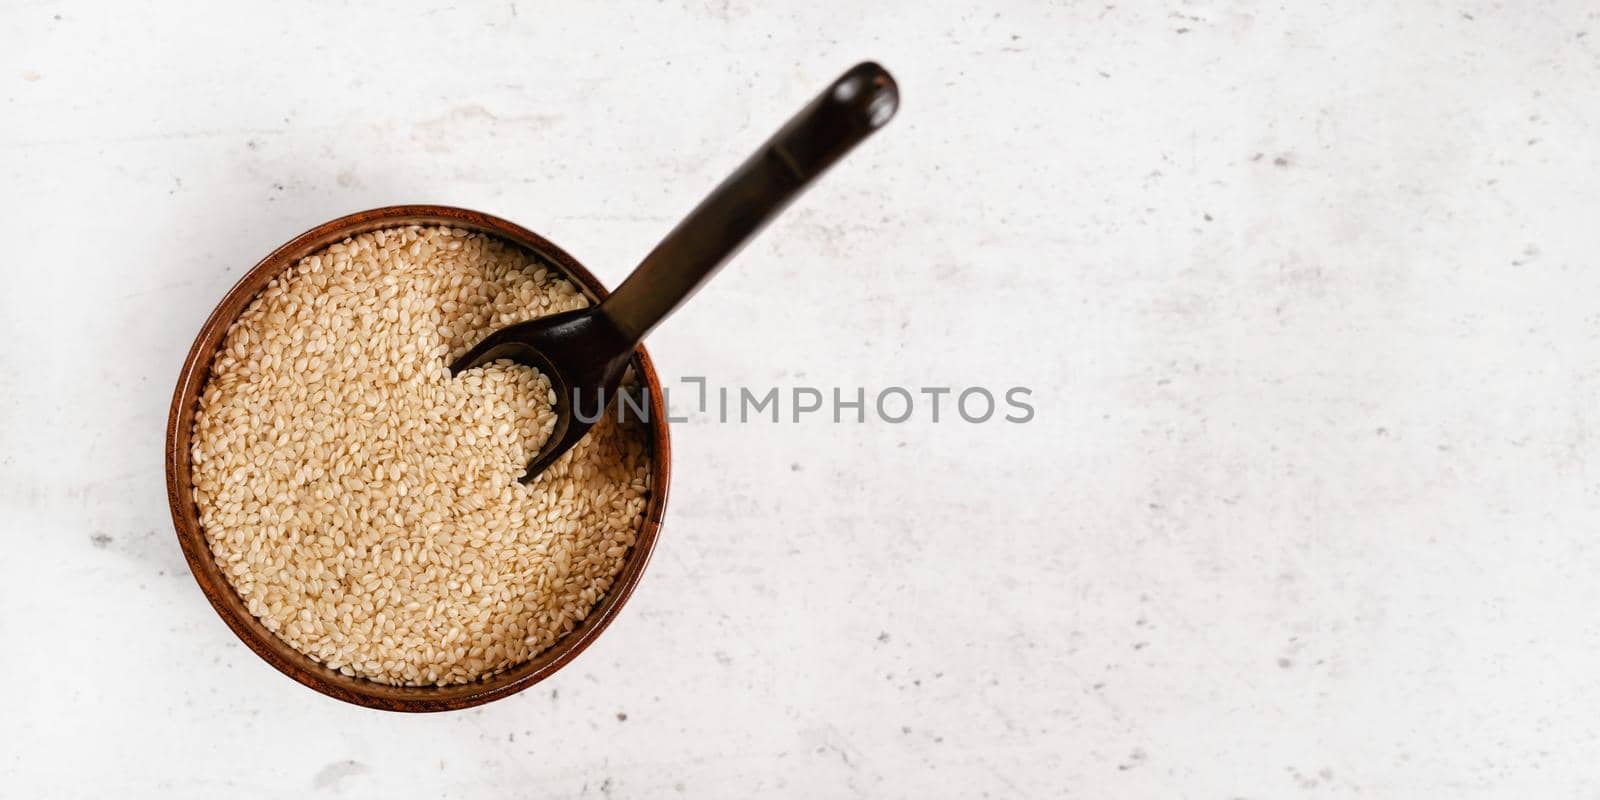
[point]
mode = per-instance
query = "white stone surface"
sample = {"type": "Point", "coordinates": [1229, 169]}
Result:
{"type": "Point", "coordinates": [1306, 294]}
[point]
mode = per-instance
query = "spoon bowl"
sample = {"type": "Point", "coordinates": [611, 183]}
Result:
{"type": "Point", "coordinates": [583, 356]}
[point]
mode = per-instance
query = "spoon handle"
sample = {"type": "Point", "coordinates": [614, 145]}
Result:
{"type": "Point", "coordinates": [858, 103]}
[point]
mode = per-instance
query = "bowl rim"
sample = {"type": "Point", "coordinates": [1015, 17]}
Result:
{"type": "Point", "coordinates": [227, 603]}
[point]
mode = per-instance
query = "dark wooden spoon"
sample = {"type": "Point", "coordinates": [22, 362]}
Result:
{"type": "Point", "coordinates": [585, 352]}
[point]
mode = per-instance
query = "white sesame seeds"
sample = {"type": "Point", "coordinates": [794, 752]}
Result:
{"type": "Point", "coordinates": [365, 505]}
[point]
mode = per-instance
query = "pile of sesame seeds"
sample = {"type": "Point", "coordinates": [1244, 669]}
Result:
{"type": "Point", "coordinates": [365, 504]}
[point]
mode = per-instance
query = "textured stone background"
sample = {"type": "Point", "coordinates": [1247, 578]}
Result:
{"type": "Point", "coordinates": [1305, 291]}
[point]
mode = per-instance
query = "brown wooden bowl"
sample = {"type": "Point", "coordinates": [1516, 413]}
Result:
{"type": "Point", "coordinates": [291, 662]}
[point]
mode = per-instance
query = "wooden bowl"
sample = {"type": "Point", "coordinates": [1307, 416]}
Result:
{"type": "Point", "coordinates": [291, 662]}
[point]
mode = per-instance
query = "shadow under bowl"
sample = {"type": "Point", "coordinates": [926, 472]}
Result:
{"type": "Point", "coordinates": [266, 644]}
